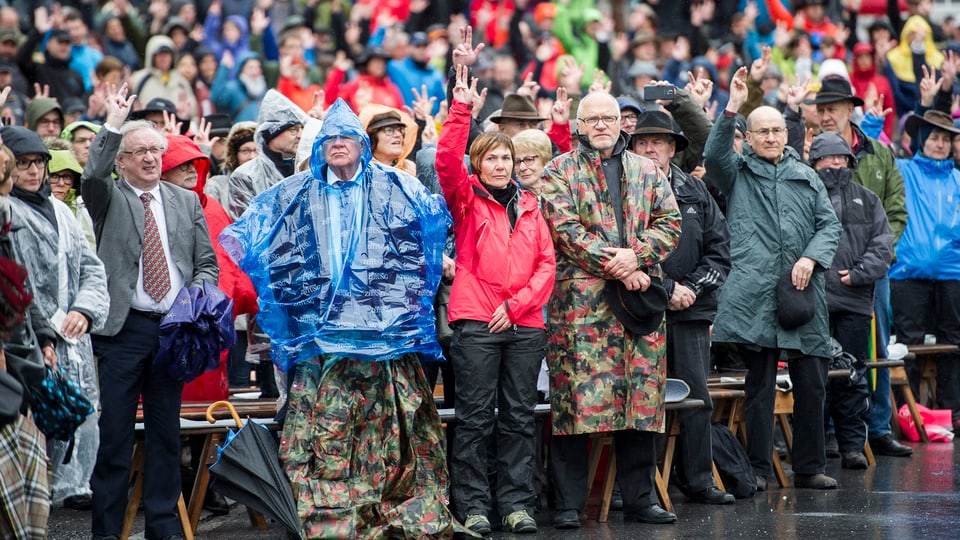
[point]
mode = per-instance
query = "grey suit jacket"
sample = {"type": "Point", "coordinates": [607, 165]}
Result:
{"type": "Point", "coordinates": [118, 215]}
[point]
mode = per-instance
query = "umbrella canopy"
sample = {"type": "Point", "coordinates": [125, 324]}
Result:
{"type": "Point", "coordinates": [248, 470]}
{"type": "Point", "coordinates": [194, 332]}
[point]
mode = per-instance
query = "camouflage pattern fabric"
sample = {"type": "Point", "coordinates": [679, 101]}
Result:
{"type": "Point", "coordinates": [364, 449]}
{"type": "Point", "coordinates": [601, 377]}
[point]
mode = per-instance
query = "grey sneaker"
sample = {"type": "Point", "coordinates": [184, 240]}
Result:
{"type": "Point", "coordinates": [520, 522]}
{"type": "Point", "coordinates": [478, 523]}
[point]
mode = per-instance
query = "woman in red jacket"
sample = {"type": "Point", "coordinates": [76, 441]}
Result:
{"type": "Point", "coordinates": [505, 274]}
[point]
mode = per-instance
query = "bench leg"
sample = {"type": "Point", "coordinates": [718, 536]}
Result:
{"type": "Point", "coordinates": [898, 377]}
{"type": "Point", "coordinates": [716, 478]}
{"type": "Point", "coordinates": [662, 493]}
{"type": "Point", "coordinates": [202, 480]}
{"type": "Point", "coordinates": [136, 493]}
{"type": "Point", "coordinates": [184, 518]}
{"type": "Point", "coordinates": [868, 452]}
{"type": "Point", "coordinates": [609, 480]}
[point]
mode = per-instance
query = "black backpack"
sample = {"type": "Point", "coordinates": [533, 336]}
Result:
{"type": "Point", "coordinates": [732, 462]}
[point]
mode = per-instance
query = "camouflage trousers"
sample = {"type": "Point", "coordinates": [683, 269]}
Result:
{"type": "Point", "coordinates": [363, 446]}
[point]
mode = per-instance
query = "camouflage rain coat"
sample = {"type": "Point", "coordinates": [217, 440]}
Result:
{"type": "Point", "coordinates": [601, 377]}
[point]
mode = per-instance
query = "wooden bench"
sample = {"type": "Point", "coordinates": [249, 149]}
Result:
{"type": "Point", "coordinates": [606, 440]}
{"type": "Point", "coordinates": [899, 379]}
{"type": "Point", "coordinates": [927, 354]}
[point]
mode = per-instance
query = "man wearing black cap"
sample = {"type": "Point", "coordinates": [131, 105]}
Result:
{"type": "Point", "coordinates": [55, 71]}
{"type": "Point", "coordinates": [863, 257]}
{"type": "Point", "coordinates": [694, 273]}
{"type": "Point", "coordinates": [781, 223]}
{"type": "Point", "coordinates": [876, 170]}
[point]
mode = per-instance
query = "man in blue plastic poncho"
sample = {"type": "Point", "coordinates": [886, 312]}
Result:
{"type": "Point", "coordinates": [346, 259]}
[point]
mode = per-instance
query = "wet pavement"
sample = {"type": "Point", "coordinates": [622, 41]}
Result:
{"type": "Point", "coordinates": [899, 498]}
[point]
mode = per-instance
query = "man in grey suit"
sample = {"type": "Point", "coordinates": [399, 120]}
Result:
{"type": "Point", "coordinates": [153, 240]}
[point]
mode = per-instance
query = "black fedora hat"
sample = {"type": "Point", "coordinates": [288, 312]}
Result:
{"type": "Point", "coordinates": [640, 312]}
{"type": "Point", "coordinates": [160, 105]}
{"type": "Point", "coordinates": [371, 52]}
{"type": "Point", "coordinates": [833, 90]}
{"type": "Point", "coordinates": [517, 107]}
{"type": "Point", "coordinates": [795, 308]}
{"type": "Point", "coordinates": [659, 123]}
{"type": "Point", "coordinates": [933, 118]}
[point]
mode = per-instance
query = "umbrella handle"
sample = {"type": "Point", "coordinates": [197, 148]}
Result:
{"type": "Point", "coordinates": [228, 405]}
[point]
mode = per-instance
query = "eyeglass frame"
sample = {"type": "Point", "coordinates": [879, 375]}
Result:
{"type": "Point", "coordinates": [141, 153]}
{"type": "Point", "coordinates": [528, 161]}
{"type": "Point", "coordinates": [766, 132]}
{"type": "Point", "coordinates": [593, 121]}
{"type": "Point", "coordinates": [25, 164]}
{"type": "Point", "coordinates": [392, 130]}
{"type": "Point", "coordinates": [61, 176]}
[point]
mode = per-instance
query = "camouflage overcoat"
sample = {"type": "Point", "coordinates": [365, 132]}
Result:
{"type": "Point", "coordinates": [603, 378]}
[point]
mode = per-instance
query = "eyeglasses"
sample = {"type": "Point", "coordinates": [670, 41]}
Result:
{"type": "Point", "coordinates": [836, 159]}
{"type": "Point", "coordinates": [528, 161]}
{"type": "Point", "coordinates": [628, 118]}
{"type": "Point", "coordinates": [139, 153]}
{"type": "Point", "coordinates": [247, 151]}
{"type": "Point", "coordinates": [24, 164]}
{"type": "Point", "coordinates": [49, 122]}
{"type": "Point", "coordinates": [58, 178]}
{"type": "Point", "coordinates": [342, 139]}
{"type": "Point", "coordinates": [592, 121]}
{"type": "Point", "coordinates": [766, 132]}
{"type": "Point", "coordinates": [185, 167]}
{"type": "Point", "coordinates": [394, 130]}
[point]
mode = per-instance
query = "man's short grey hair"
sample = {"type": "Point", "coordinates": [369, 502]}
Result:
{"type": "Point", "coordinates": [592, 96]}
{"type": "Point", "coordinates": [137, 125]}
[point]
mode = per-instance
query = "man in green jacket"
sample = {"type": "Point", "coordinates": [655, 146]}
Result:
{"type": "Point", "coordinates": [781, 224]}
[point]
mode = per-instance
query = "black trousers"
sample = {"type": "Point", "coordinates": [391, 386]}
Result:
{"type": "Point", "coordinates": [848, 401]}
{"type": "Point", "coordinates": [636, 469]}
{"type": "Point", "coordinates": [688, 358]}
{"type": "Point", "coordinates": [930, 307]}
{"type": "Point", "coordinates": [809, 375]}
{"type": "Point", "coordinates": [126, 372]}
{"type": "Point", "coordinates": [495, 371]}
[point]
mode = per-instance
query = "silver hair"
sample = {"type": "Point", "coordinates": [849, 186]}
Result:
{"type": "Point", "coordinates": [137, 125]}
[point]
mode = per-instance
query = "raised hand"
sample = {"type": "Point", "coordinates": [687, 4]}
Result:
{"type": "Point", "coordinates": [560, 112]}
{"type": "Point", "coordinates": [529, 88]}
{"type": "Point", "coordinates": [479, 99]}
{"type": "Point", "coordinates": [598, 85]}
{"type": "Point", "coordinates": [422, 103]}
{"type": "Point", "coordinates": [462, 91]}
{"type": "Point", "coordinates": [41, 91]}
{"type": "Point", "coordinates": [465, 53]}
{"type": "Point", "coordinates": [429, 134]}
{"type": "Point", "coordinates": [571, 75]}
{"type": "Point", "coordinates": [170, 124]}
{"type": "Point", "coordinates": [700, 88]}
{"type": "Point", "coordinates": [258, 21]}
{"type": "Point", "coordinates": [738, 90]}
{"type": "Point", "coordinates": [202, 135]}
{"type": "Point", "coordinates": [317, 111]}
{"type": "Point", "coordinates": [948, 70]}
{"type": "Point", "coordinates": [118, 106]}
{"type": "Point", "coordinates": [929, 86]}
{"type": "Point", "coordinates": [760, 66]}
{"type": "Point", "coordinates": [797, 93]}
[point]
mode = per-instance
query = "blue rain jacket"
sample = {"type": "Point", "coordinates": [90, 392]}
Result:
{"type": "Point", "coordinates": [930, 245]}
{"type": "Point", "coordinates": [349, 269]}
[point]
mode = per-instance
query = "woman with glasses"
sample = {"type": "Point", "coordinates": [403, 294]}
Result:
{"type": "Point", "coordinates": [64, 178]}
{"type": "Point", "coordinates": [534, 150]}
{"type": "Point", "coordinates": [241, 148]}
{"type": "Point", "coordinates": [69, 286]}
{"type": "Point", "coordinates": [392, 133]}
{"type": "Point", "coordinates": [504, 276]}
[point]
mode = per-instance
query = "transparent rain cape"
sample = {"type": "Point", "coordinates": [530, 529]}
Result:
{"type": "Point", "coordinates": [349, 269]}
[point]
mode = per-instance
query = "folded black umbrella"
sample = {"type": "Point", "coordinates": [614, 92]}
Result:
{"type": "Point", "coordinates": [248, 471]}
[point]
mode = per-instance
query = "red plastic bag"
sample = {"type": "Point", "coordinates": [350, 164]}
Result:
{"type": "Point", "coordinates": [212, 386]}
{"type": "Point", "coordinates": [937, 422]}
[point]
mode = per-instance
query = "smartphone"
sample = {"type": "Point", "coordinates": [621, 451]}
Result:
{"type": "Point", "coordinates": [654, 92]}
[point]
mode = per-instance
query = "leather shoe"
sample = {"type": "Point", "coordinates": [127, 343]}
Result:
{"type": "Point", "coordinates": [566, 519]}
{"type": "Point", "coordinates": [712, 495]}
{"type": "Point", "coordinates": [853, 460]}
{"type": "Point", "coordinates": [216, 503]}
{"type": "Point", "coordinates": [761, 483]}
{"type": "Point", "coordinates": [886, 445]}
{"type": "Point", "coordinates": [814, 481]}
{"type": "Point", "coordinates": [830, 446]}
{"type": "Point", "coordinates": [651, 514]}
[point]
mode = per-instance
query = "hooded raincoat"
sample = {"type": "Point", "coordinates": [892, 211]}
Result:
{"type": "Point", "coordinates": [346, 272]}
{"type": "Point", "coordinates": [65, 275]}
{"type": "Point", "coordinates": [264, 171]}
{"type": "Point", "coordinates": [150, 82]}
{"type": "Point", "coordinates": [777, 213]}
{"type": "Point", "coordinates": [603, 378]}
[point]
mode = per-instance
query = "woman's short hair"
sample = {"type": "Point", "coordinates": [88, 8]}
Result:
{"type": "Point", "coordinates": [486, 142]}
{"type": "Point", "coordinates": [534, 141]}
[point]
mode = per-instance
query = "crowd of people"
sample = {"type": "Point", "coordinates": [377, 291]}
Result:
{"type": "Point", "coordinates": [598, 195]}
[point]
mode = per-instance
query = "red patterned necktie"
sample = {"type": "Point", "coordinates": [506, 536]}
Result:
{"type": "Point", "coordinates": [156, 278]}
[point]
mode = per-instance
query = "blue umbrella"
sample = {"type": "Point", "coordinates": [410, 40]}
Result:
{"type": "Point", "coordinates": [195, 331]}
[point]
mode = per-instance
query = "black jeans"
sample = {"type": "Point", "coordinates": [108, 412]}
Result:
{"type": "Point", "coordinates": [809, 375]}
{"type": "Point", "coordinates": [848, 401]}
{"type": "Point", "coordinates": [636, 469]}
{"type": "Point", "coordinates": [688, 358]}
{"type": "Point", "coordinates": [930, 307]}
{"type": "Point", "coordinates": [495, 371]}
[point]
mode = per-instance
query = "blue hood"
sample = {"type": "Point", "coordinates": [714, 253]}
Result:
{"type": "Point", "coordinates": [340, 120]}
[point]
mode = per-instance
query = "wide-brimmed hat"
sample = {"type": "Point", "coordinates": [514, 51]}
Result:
{"type": "Point", "coordinates": [933, 118]}
{"type": "Point", "coordinates": [517, 107]}
{"type": "Point", "coordinates": [640, 312]}
{"type": "Point", "coordinates": [833, 90]}
{"type": "Point", "coordinates": [220, 124]}
{"type": "Point", "coordinates": [659, 123]}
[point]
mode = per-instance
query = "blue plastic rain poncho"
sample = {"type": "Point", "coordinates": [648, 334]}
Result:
{"type": "Point", "coordinates": [347, 269]}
